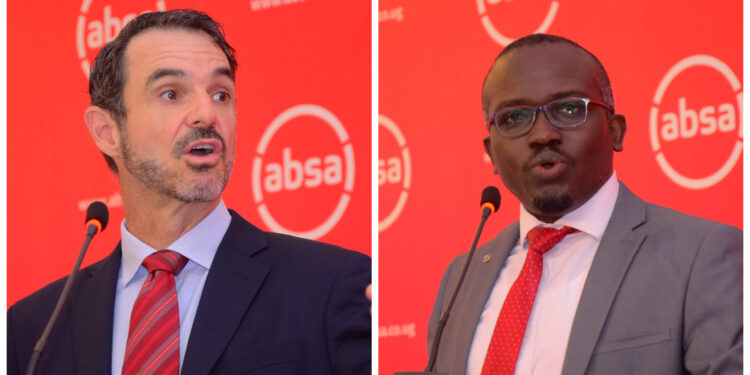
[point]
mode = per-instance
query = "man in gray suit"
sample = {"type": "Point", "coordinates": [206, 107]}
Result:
{"type": "Point", "coordinates": [630, 288]}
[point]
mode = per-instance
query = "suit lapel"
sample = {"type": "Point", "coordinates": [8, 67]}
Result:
{"type": "Point", "coordinates": [92, 308]}
{"type": "Point", "coordinates": [475, 291]}
{"type": "Point", "coordinates": [616, 250]}
{"type": "Point", "coordinates": [233, 281]}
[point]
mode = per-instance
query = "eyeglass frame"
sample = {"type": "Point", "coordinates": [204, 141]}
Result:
{"type": "Point", "coordinates": [543, 108]}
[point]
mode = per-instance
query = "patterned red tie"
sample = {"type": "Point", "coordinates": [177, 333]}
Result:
{"type": "Point", "coordinates": [510, 328]}
{"type": "Point", "coordinates": [154, 337]}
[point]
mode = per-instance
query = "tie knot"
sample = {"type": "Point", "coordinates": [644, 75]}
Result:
{"type": "Point", "coordinates": [165, 260]}
{"type": "Point", "coordinates": [542, 239]}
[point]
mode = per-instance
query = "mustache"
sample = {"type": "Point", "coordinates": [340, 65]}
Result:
{"type": "Point", "coordinates": [550, 153]}
{"type": "Point", "coordinates": [197, 134]}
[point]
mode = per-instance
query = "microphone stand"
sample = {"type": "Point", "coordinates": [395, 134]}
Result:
{"type": "Point", "coordinates": [486, 211]}
{"type": "Point", "coordinates": [96, 220]}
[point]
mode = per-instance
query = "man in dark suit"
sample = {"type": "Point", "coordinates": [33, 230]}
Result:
{"type": "Point", "coordinates": [591, 279]}
{"type": "Point", "coordinates": [163, 114]}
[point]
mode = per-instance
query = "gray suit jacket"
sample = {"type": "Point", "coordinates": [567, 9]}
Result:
{"type": "Point", "coordinates": [663, 296]}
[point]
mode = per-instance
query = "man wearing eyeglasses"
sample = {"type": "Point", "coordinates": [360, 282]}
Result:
{"type": "Point", "coordinates": [591, 279]}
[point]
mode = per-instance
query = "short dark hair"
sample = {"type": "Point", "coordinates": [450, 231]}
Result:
{"type": "Point", "coordinates": [601, 77]}
{"type": "Point", "coordinates": [107, 76]}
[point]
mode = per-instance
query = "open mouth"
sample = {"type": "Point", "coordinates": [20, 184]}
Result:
{"type": "Point", "coordinates": [202, 150]}
{"type": "Point", "coordinates": [548, 164]}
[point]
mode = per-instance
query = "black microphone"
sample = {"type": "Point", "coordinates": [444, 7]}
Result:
{"type": "Point", "coordinates": [97, 217]}
{"type": "Point", "coordinates": [490, 203]}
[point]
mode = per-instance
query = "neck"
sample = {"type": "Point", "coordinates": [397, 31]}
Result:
{"type": "Point", "coordinates": [157, 220]}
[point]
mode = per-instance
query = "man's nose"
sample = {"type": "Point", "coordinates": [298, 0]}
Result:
{"type": "Point", "coordinates": [202, 111]}
{"type": "Point", "coordinates": [542, 132]}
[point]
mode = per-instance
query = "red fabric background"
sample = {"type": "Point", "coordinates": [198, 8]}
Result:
{"type": "Point", "coordinates": [433, 56]}
{"type": "Point", "coordinates": [290, 52]}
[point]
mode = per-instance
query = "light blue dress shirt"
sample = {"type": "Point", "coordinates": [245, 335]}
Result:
{"type": "Point", "coordinates": [198, 245]}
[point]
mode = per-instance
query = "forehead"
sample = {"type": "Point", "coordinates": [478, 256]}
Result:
{"type": "Point", "coordinates": [539, 73]}
{"type": "Point", "coordinates": [187, 50]}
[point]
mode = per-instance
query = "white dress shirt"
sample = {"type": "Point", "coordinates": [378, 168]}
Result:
{"type": "Point", "coordinates": [199, 245]}
{"type": "Point", "coordinates": [565, 268]}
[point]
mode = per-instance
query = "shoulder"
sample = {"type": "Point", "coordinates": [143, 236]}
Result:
{"type": "Point", "coordinates": [691, 241]}
{"type": "Point", "coordinates": [689, 246]}
{"type": "Point", "coordinates": [27, 318]}
{"type": "Point", "coordinates": [670, 223]}
{"type": "Point", "coordinates": [665, 217]}
{"type": "Point", "coordinates": [655, 219]}
{"type": "Point", "coordinates": [37, 305]}
{"type": "Point", "coordinates": [310, 256]}
{"type": "Point", "coordinates": [45, 298]}
{"type": "Point", "coordinates": [305, 247]}
{"type": "Point", "coordinates": [497, 248]}
{"type": "Point", "coordinates": [282, 251]}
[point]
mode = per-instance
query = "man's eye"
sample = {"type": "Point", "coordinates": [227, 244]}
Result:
{"type": "Point", "coordinates": [169, 95]}
{"type": "Point", "coordinates": [571, 108]}
{"type": "Point", "coordinates": [221, 96]}
{"type": "Point", "coordinates": [515, 118]}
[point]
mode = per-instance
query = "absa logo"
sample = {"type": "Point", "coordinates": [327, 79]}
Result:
{"type": "Point", "coordinates": [394, 172]}
{"type": "Point", "coordinates": [696, 119]}
{"type": "Point", "coordinates": [303, 171]}
{"type": "Point", "coordinates": [98, 25]}
{"type": "Point", "coordinates": [516, 17]}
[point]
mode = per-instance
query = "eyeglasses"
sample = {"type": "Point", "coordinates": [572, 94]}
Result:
{"type": "Point", "coordinates": [562, 113]}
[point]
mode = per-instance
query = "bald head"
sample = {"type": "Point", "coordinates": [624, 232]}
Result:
{"type": "Point", "coordinates": [599, 74]}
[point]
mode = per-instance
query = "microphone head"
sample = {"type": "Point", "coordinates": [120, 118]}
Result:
{"type": "Point", "coordinates": [98, 215]}
{"type": "Point", "coordinates": [491, 198]}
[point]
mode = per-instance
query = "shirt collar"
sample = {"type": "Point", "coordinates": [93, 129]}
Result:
{"type": "Point", "coordinates": [591, 218]}
{"type": "Point", "coordinates": [199, 244]}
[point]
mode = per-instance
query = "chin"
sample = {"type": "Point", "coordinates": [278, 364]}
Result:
{"type": "Point", "coordinates": [553, 204]}
{"type": "Point", "coordinates": [206, 186]}
{"type": "Point", "coordinates": [200, 188]}
{"type": "Point", "coordinates": [197, 193]}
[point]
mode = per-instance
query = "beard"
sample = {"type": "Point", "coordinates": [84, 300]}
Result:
{"type": "Point", "coordinates": [553, 204]}
{"type": "Point", "coordinates": [200, 186]}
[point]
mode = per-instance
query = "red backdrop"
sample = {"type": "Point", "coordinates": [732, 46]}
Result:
{"type": "Point", "coordinates": [307, 59]}
{"type": "Point", "coordinates": [676, 71]}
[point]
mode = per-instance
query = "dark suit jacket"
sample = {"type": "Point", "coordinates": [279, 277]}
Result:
{"type": "Point", "coordinates": [663, 296]}
{"type": "Point", "coordinates": [271, 304]}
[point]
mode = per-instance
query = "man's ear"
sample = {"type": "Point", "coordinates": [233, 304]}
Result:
{"type": "Point", "coordinates": [103, 129]}
{"type": "Point", "coordinates": [487, 149]}
{"type": "Point", "coordinates": [617, 128]}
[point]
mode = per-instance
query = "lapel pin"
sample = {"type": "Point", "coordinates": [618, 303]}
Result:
{"type": "Point", "coordinates": [486, 258]}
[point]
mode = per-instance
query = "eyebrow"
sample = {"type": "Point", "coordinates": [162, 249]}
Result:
{"type": "Point", "coordinates": [171, 72]}
{"type": "Point", "coordinates": [568, 94]}
{"type": "Point", "coordinates": [555, 96]}
{"type": "Point", "coordinates": [164, 72]}
{"type": "Point", "coordinates": [223, 71]}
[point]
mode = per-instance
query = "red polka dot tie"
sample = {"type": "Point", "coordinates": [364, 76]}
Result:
{"type": "Point", "coordinates": [154, 337]}
{"type": "Point", "coordinates": [510, 328]}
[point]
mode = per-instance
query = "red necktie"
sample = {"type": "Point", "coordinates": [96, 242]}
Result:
{"type": "Point", "coordinates": [154, 337]}
{"type": "Point", "coordinates": [510, 328]}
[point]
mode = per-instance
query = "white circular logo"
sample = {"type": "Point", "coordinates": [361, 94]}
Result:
{"type": "Point", "coordinates": [93, 32]}
{"type": "Point", "coordinates": [292, 174]}
{"type": "Point", "coordinates": [503, 40]}
{"type": "Point", "coordinates": [394, 170]}
{"type": "Point", "coordinates": [687, 122]}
